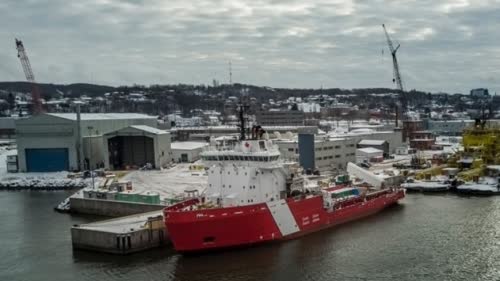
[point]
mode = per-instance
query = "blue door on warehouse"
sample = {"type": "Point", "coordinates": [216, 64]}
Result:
{"type": "Point", "coordinates": [47, 159]}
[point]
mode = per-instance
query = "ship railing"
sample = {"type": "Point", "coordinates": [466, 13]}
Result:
{"type": "Point", "coordinates": [184, 204]}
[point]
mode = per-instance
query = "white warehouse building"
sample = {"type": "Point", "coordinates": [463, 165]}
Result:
{"type": "Point", "coordinates": [61, 141]}
{"type": "Point", "coordinates": [330, 154]}
{"type": "Point", "coordinates": [333, 151]}
{"type": "Point", "coordinates": [394, 138]}
{"type": "Point", "coordinates": [187, 151]}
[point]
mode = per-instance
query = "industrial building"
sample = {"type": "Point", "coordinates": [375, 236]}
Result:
{"type": "Point", "coordinates": [135, 146]}
{"type": "Point", "coordinates": [204, 133]}
{"type": "Point", "coordinates": [280, 118]}
{"type": "Point", "coordinates": [448, 127]}
{"type": "Point", "coordinates": [480, 93]}
{"type": "Point", "coordinates": [369, 154]}
{"type": "Point", "coordinates": [330, 154]}
{"type": "Point", "coordinates": [422, 140]}
{"type": "Point", "coordinates": [453, 127]}
{"type": "Point", "coordinates": [69, 141]}
{"type": "Point", "coordinates": [187, 152]}
{"type": "Point", "coordinates": [381, 145]}
{"type": "Point", "coordinates": [393, 137]}
{"type": "Point", "coordinates": [8, 127]}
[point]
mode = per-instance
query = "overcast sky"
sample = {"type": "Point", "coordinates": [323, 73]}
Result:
{"type": "Point", "coordinates": [446, 45]}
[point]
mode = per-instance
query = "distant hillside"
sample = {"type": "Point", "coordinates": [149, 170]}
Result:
{"type": "Point", "coordinates": [50, 90]}
{"type": "Point", "coordinates": [188, 96]}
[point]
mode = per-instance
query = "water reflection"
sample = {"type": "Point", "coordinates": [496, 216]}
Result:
{"type": "Point", "coordinates": [426, 238]}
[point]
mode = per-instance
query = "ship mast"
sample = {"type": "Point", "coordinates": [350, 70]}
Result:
{"type": "Point", "coordinates": [242, 108]}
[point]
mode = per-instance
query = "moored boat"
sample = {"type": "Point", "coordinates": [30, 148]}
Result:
{"type": "Point", "coordinates": [427, 186]}
{"type": "Point", "coordinates": [254, 197]}
{"type": "Point", "coordinates": [483, 187]}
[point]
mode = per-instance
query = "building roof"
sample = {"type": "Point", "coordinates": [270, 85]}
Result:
{"type": "Point", "coordinates": [149, 129]}
{"type": "Point", "coordinates": [187, 145]}
{"type": "Point", "coordinates": [370, 150]}
{"type": "Point", "coordinates": [372, 142]}
{"type": "Point", "coordinates": [359, 132]}
{"type": "Point", "coordinates": [102, 116]}
{"type": "Point", "coordinates": [142, 128]}
{"type": "Point", "coordinates": [269, 129]}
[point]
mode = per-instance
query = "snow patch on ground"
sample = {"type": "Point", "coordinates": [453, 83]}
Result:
{"type": "Point", "coordinates": [169, 183]}
{"type": "Point", "coordinates": [36, 181]}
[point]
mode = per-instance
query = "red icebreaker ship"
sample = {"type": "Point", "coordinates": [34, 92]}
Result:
{"type": "Point", "coordinates": [255, 197]}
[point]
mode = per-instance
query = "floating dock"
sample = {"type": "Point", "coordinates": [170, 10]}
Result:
{"type": "Point", "coordinates": [122, 236]}
{"type": "Point", "coordinates": [110, 208]}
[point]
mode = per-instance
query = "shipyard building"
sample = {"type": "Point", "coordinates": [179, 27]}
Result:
{"type": "Point", "coordinates": [204, 133]}
{"type": "Point", "coordinates": [187, 152]}
{"type": "Point", "coordinates": [332, 152]}
{"type": "Point", "coordinates": [68, 141]}
{"type": "Point", "coordinates": [280, 118]}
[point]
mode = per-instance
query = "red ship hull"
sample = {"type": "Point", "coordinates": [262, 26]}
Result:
{"type": "Point", "coordinates": [217, 228]}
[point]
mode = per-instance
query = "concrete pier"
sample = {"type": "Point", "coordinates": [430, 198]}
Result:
{"type": "Point", "coordinates": [122, 236]}
{"type": "Point", "coordinates": [110, 208]}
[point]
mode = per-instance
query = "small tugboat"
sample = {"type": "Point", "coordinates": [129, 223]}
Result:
{"type": "Point", "coordinates": [254, 197]}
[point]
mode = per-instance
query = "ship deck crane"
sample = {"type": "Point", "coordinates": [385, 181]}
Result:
{"type": "Point", "coordinates": [396, 74]}
{"type": "Point", "coordinates": [30, 77]}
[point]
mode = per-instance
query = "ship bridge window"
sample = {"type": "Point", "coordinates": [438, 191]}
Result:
{"type": "Point", "coordinates": [231, 157]}
{"type": "Point", "coordinates": [246, 158]}
{"type": "Point", "coordinates": [226, 157]}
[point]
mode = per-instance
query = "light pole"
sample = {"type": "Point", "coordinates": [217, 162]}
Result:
{"type": "Point", "coordinates": [90, 156]}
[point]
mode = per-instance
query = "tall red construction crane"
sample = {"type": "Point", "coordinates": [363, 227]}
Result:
{"type": "Point", "coordinates": [28, 72]}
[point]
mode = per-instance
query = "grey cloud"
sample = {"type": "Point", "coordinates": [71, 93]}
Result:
{"type": "Point", "coordinates": [445, 45]}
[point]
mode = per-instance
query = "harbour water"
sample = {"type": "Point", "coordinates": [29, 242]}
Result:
{"type": "Point", "coordinates": [442, 237]}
